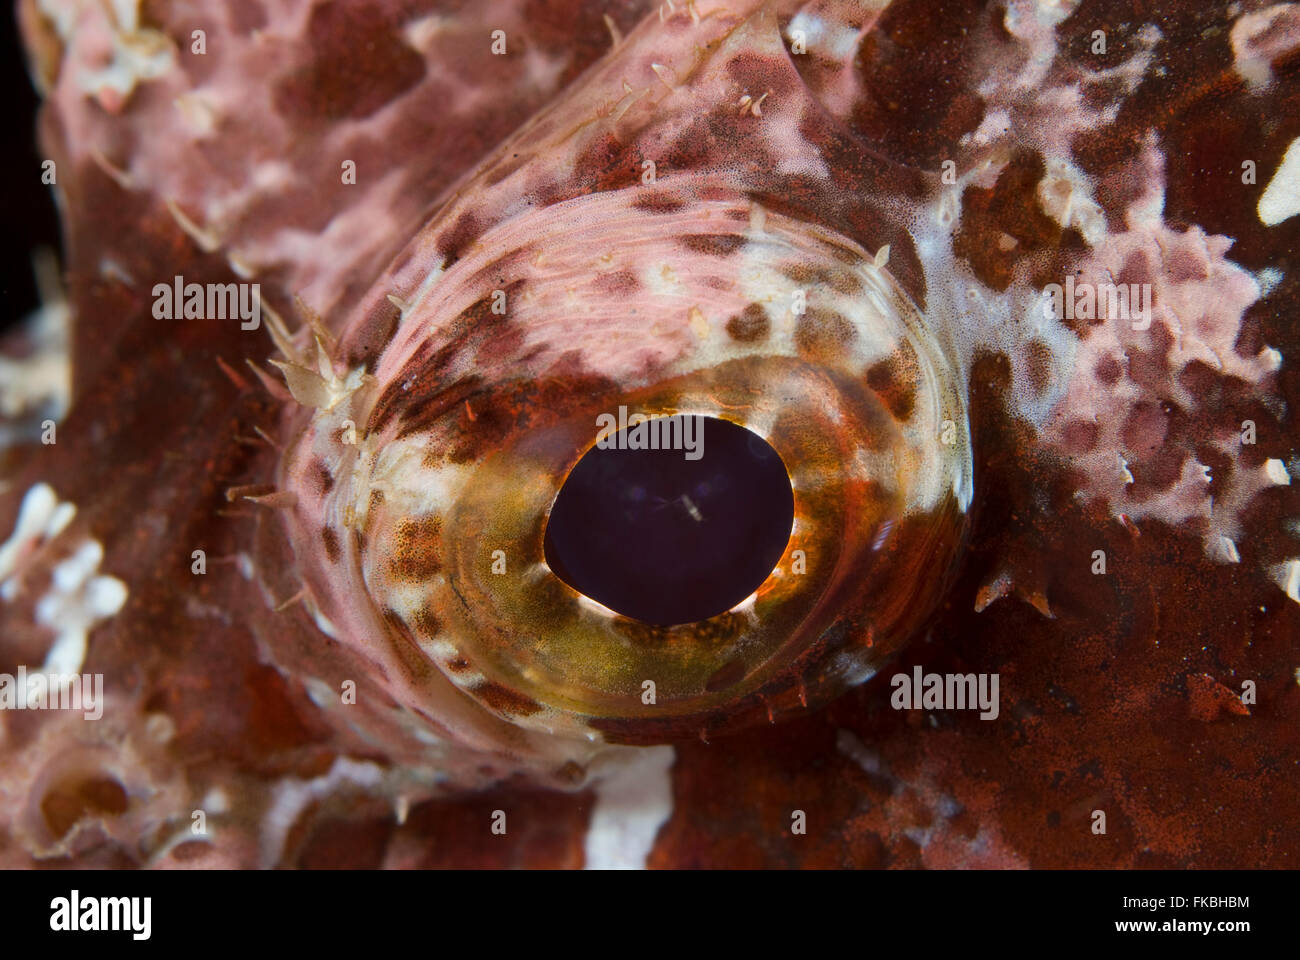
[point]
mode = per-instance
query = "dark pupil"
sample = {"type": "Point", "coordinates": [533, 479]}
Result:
{"type": "Point", "coordinates": [665, 539]}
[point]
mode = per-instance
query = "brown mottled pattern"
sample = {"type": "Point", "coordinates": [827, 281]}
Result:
{"type": "Point", "coordinates": [895, 380]}
{"type": "Point", "coordinates": [823, 335]}
{"type": "Point", "coordinates": [713, 244]}
{"type": "Point", "coordinates": [616, 282]}
{"type": "Point", "coordinates": [1004, 228]}
{"type": "Point", "coordinates": [325, 479]}
{"type": "Point", "coordinates": [414, 555]}
{"type": "Point", "coordinates": [751, 325]}
{"type": "Point", "coordinates": [405, 646]}
{"type": "Point", "coordinates": [426, 622]}
{"type": "Point", "coordinates": [331, 541]}
{"type": "Point", "coordinates": [504, 700]}
{"type": "Point", "coordinates": [658, 201]}
{"type": "Point", "coordinates": [340, 82]}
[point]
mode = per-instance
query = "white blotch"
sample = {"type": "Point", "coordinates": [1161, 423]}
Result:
{"type": "Point", "coordinates": [1226, 551]}
{"type": "Point", "coordinates": [853, 669]}
{"type": "Point", "coordinates": [1124, 471]}
{"type": "Point", "coordinates": [467, 679]}
{"type": "Point", "coordinates": [78, 599]}
{"type": "Point", "coordinates": [1034, 22]}
{"type": "Point", "coordinates": [37, 386]}
{"type": "Point", "coordinates": [662, 280]}
{"type": "Point", "coordinates": [410, 488]}
{"type": "Point", "coordinates": [853, 748]}
{"type": "Point", "coordinates": [138, 55]}
{"type": "Point", "coordinates": [198, 112]}
{"type": "Point", "coordinates": [1268, 278]}
{"type": "Point", "coordinates": [633, 800]}
{"type": "Point", "coordinates": [320, 692]}
{"type": "Point", "coordinates": [41, 518]}
{"type": "Point", "coordinates": [160, 727]}
{"type": "Point", "coordinates": [1281, 198]}
{"type": "Point", "coordinates": [292, 796]}
{"type": "Point", "coordinates": [1275, 470]}
{"type": "Point", "coordinates": [595, 606]}
{"type": "Point", "coordinates": [832, 40]}
{"type": "Point", "coordinates": [1066, 196]}
{"type": "Point", "coordinates": [422, 33]}
{"type": "Point", "coordinates": [216, 801]}
{"type": "Point", "coordinates": [1287, 576]}
{"type": "Point", "coordinates": [323, 623]}
{"type": "Point", "coordinates": [1256, 41]}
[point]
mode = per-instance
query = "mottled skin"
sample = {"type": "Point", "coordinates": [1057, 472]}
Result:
{"type": "Point", "coordinates": [1119, 692]}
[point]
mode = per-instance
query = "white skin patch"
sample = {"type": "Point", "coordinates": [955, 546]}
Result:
{"type": "Point", "coordinates": [41, 518]}
{"type": "Point", "coordinates": [1287, 576]}
{"type": "Point", "coordinates": [292, 796]}
{"type": "Point", "coordinates": [1276, 471]}
{"type": "Point", "coordinates": [987, 848]}
{"type": "Point", "coordinates": [1259, 37]}
{"type": "Point", "coordinates": [1226, 551]}
{"type": "Point", "coordinates": [1281, 198]}
{"type": "Point", "coordinates": [37, 385]}
{"type": "Point", "coordinates": [78, 598]}
{"type": "Point", "coordinates": [633, 801]}
{"type": "Point", "coordinates": [137, 55]}
{"type": "Point", "coordinates": [836, 41]}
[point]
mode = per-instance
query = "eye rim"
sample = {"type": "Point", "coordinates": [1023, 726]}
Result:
{"type": "Point", "coordinates": [840, 650]}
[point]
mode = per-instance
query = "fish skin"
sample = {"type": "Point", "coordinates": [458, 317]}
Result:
{"type": "Point", "coordinates": [915, 803]}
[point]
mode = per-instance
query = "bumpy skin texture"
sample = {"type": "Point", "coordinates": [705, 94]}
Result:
{"type": "Point", "coordinates": [1119, 691]}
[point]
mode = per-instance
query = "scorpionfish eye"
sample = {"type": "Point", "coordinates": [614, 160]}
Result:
{"type": "Point", "coordinates": [637, 440]}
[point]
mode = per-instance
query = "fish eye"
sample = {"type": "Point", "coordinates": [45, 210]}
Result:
{"type": "Point", "coordinates": [508, 525]}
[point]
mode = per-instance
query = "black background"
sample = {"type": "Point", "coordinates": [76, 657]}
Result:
{"type": "Point", "coordinates": [788, 914]}
{"type": "Point", "coordinates": [27, 209]}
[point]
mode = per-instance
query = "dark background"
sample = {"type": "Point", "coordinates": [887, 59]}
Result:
{"type": "Point", "coordinates": [27, 212]}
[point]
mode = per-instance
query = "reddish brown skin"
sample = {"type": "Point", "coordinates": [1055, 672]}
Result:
{"type": "Point", "coordinates": [1191, 778]}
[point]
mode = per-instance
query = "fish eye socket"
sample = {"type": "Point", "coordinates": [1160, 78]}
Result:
{"type": "Point", "coordinates": [671, 520]}
{"type": "Point", "coordinates": [493, 558]}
